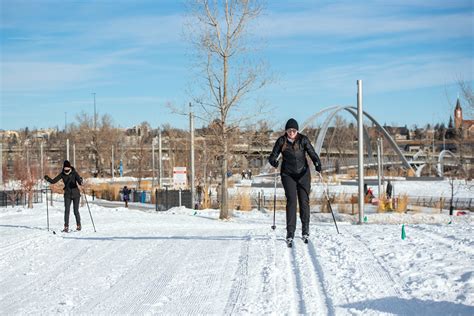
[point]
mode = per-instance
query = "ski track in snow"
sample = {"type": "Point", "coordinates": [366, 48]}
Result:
{"type": "Point", "coordinates": [307, 281]}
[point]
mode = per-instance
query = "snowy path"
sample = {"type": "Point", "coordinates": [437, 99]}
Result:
{"type": "Point", "coordinates": [178, 262]}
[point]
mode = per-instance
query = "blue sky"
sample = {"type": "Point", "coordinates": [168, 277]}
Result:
{"type": "Point", "coordinates": [132, 54]}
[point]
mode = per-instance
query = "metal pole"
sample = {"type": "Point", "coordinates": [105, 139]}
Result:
{"type": "Point", "coordinates": [360, 132]}
{"type": "Point", "coordinates": [191, 129]}
{"type": "Point", "coordinates": [113, 165]}
{"type": "Point", "coordinates": [67, 149]}
{"type": "Point", "coordinates": [381, 159]}
{"type": "Point", "coordinates": [1, 163]}
{"type": "Point", "coordinates": [153, 162]}
{"type": "Point", "coordinates": [41, 163]}
{"type": "Point", "coordinates": [160, 163]}
{"type": "Point", "coordinates": [274, 198]}
{"type": "Point", "coordinates": [379, 173]}
{"type": "Point", "coordinates": [204, 173]}
{"type": "Point", "coordinates": [74, 155]}
{"type": "Point", "coordinates": [326, 194]}
{"type": "Point", "coordinates": [47, 209]}
{"type": "Point", "coordinates": [90, 214]}
{"type": "Point", "coordinates": [95, 115]}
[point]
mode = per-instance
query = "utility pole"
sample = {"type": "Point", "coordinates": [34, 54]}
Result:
{"type": "Point", "coordinates": [191, 129]}
{"type": "Point", "coordinates": [41, 161]}
{"type": "Point", "coordinates": [205, 164]}
{"type": "Point", "coordinates": [1, 163]}
{"type": "Point", "coordinates": [95, 114]}
{"type": "Point", "coordinates": [153, 162]}
{"type": "Point", "coordinates": [113, 165]}
{"type": "Point", "coordinates": [360, 132]}
{"type": "Point", "coordinates": [67, 149]}
{"type": "Point", "coordinates": [160, 163]}
{"type": "Point", "coordinates": [379, 165]}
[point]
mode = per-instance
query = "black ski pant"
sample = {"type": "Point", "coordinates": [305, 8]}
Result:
{"type": "Point", "coordinates": [67, 209]}
{"type": "Point", "coordinates": [297, 188]}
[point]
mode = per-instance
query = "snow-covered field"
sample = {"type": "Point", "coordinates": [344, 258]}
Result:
{"type": "Point", "coordinates": [187, 262]}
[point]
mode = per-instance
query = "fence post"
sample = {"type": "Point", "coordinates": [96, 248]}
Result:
{"type": "Point", "coordinates": [156, 200]}
{"type": "Point", "coordinates": [258, 201]}
{"type": "Point", "coordinates": [166, 197]}
{"type": "Point", "coordinates": [179, 198]}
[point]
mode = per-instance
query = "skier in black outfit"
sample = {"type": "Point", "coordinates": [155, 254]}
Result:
{"type": "Point", "coordinates": [70, 179]}
{"type": "Point", "coordinates": [295, 176]}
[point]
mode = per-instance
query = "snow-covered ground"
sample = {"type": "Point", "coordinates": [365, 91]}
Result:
{"type": "Point", "coordinates": [187, 262]}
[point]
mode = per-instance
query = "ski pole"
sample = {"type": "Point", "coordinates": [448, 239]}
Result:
{"type": "Point", "coordinates": [90, 214]}
{"type": "Point", "coordinates": [329, 202]}
{"type": "Point", "coordinates": [274, 200]}
{"type": "Point", "coordinates": [47, 209]}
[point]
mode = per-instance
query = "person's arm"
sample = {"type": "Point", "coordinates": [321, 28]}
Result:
{"type": "Point", "coordinates": [52, 181]}
{"type": "Point", "coordinates": [272, 159]}
{"type": "Point", "coordinates": [312, 154]}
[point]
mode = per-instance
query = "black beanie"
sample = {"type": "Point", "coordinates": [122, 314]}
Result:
{"type": "Point", "coordinates": [66, 164]}
{"type": "Point", "coordinates": [292, 123]}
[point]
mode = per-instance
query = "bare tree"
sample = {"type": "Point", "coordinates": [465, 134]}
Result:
{"type": "Point", "coordinates": [98, 140]}
{"type": "Point", "coordinates": [467, 95]}
{"type": "Point", "coordinates": [220, 36]}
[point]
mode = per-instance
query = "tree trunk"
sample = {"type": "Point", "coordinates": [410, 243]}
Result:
{"type": "Point", "coordinates": [224, 213]}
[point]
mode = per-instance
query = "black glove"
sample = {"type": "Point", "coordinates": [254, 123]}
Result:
{"type": "Point", "coordinates": [80, 181]}
{"type": "Point", "coordinates": [47, 178]}
{"type": "Point", "coordinates": [318, 168]}
{"type": "Point", "coordinates": [274, 163]}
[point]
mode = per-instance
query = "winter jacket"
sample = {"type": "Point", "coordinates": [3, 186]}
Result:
{"type": "Point", "coordinates": [70, 181]}
{"type": "Point", "coordinates": [294, 155]}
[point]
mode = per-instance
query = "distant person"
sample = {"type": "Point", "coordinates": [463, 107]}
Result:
{"type": "Point", "coordinates": [389, 190]}
{"type": "Point", "coordinates": [249, 172]}
{"type": "Point", "coordinates": [199, 193]}
{"type": "Point", "coordinates": [126, 195]}
{"type": "Point", "coordinates": [72, 194]}
{"type": "Point", "coordinates": [370, 195]}
{"type": "Point", "coordinates": [295, 176]}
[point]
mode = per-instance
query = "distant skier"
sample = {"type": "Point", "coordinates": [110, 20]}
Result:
{"type": "Point", "coordinates": [295, 176]}
{"type": "Point", "coordinates": [389, 190]}
{"type": "Point", "coordinates": [72, 194]}
{"type": "Point", "coordinates": [126, 195]}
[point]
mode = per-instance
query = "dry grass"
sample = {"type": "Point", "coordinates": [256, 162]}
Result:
{"type": "Point", "coordinates": [242, 200]}
{"type": "Point", "coordinates": [206, 201]}
{"type": "Point", "coordinates": [402, 204]}
{"type": "Point", "coordinates": [385, 204]}
{"type": "Point", "coordinates": [343, 208]}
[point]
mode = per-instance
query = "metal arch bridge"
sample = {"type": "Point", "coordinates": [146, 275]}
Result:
{"type": "Point", "coordinates": [333, 110]}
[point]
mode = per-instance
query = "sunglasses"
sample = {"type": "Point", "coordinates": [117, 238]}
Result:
{"type": "Point", "coordinates": [291, 130]}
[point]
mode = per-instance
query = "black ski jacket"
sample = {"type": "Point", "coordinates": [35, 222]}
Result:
{"type": "Point", "coordinates": [71, 190]}
{"type": "Point", "coordinates": [294, 155]}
